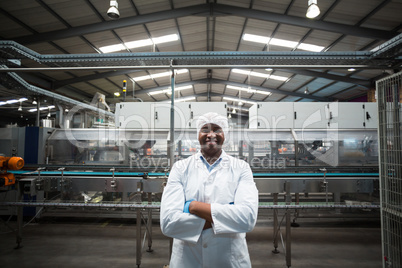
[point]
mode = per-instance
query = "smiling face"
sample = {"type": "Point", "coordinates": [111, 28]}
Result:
{"type": "Point", "coordinates": [211, 138]}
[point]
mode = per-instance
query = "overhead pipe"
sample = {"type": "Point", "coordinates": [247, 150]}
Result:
{"type": "Point", "coordinates": [53, 95]}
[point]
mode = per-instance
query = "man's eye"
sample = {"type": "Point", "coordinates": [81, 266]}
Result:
{"type": "Point", "coordinates": [218, 131]}
{"type": "Point", "coordinates": [204, 130]}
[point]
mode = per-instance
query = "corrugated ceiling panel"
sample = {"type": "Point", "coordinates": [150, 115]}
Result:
{"type": "Point", "coordinates": [277, 6]}
{"type": "Point", "coordinates": [290, 33]}
{"type": "Point", "coordinates": [152, 6]}
{"type": "Point", "coordinates": [349, 94]}
{"type": "Point", "coordinates": [260, 27]}
{"type": "Point", "coordinates": [296, 82]}
{"type": "Point", "coordinates": [219, 88]}
{"type": "Point", "coordinates": [44, 48]}
{"type": "Point", "coordinates": [195, 42]}
{"type": "Point", "coordinates": [228, 33]}
{"type": "Point", "coordinates": [271, 83]}
{"type": "Point", "coordinates": [321, 38]}
{"type": "Point", "coordinates": [386, 19]}
{"type": "Point", "coordinates": [33, 15]}
{"type": "Point", "coordinates": [330, 90]}
{"type": "Point", "coordinates": [290, 99]}
{"type": "Point", "coordinates": [132, 33]}
{"type": "Point", "coordinates": [13, 29]}
{"type": "Point", "coordinates": [221, 74]}
{"type": "Point", "coordinates": [351, 11]}
{"type": "Point", "coordinates": [198, 74]}
{"type": "Point", "coordinates": [318, 83]}
{"type": "Point", "coordinates": [67, 9]}
{"type": "Point", "coordinates": [351, 43]}
{"type": "Point", "coordinates": [180, 3]}
{"type": "Point", "coordinates": [161, 28]}
{"type": "Point", "coordinates": [75, 45]}
{"type": "Point", "coordinates": [238, 3]}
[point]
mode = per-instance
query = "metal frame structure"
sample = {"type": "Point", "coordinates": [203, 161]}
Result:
{"type": "Point", "coordinates": [389, 92]}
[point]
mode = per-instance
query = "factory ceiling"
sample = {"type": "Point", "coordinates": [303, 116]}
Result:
{"type": "Point", "coordinates": [253, 51]}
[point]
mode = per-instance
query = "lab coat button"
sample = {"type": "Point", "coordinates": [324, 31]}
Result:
{"type": "Point", "coordinates": [205, 245]}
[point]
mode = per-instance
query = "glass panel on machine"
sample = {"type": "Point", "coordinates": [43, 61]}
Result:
{"type": "Point", "coordinates": [125, 147]}
{"type": "Point", "coordinates": [337, 147]}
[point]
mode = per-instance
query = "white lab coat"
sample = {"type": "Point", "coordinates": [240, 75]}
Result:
{"type": "Point", "coordinates": [225, 244]}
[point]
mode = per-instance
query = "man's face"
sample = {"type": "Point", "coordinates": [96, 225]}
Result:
{"type": "Point", "coordinates": [211, 138]}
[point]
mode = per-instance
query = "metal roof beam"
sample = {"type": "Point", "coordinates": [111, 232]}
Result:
{"type": "Point", "coordinates": [304, 22]}
{"type": "Point", "coordinates": [272, 90]}
{"type": "Point", "coordinates": [339, 78]}
{"type": "Point", "coordinates": [61, 83]}
{"type": "Point", "coordinates": [211, 9]}
{"type": "Point", "coordinates": [113, 24]}
{"type": "Point", "coordinates": [219, 81]}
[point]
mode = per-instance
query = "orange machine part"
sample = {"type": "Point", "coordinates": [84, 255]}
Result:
{"type": "Point", "coordinates": [11, 163]}
{"type": "Point", "coordinates": [7, 179]}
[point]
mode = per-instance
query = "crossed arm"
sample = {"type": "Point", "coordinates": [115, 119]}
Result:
{"type": "Point", "coordinates": [202, 210]}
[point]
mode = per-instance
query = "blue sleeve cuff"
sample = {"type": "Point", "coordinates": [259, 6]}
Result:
{"type": "Point", "coordinates": [187, 206]}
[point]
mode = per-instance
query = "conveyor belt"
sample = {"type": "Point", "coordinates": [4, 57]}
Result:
{"type": "Point", "coordinates": [156, 205]}
{"type": "Point", "coordinates": [256, 175]}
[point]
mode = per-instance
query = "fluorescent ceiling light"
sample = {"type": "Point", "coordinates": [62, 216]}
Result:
{"type": "Point", "coordinates": [112, 48]}
{"type": "Point", "coordinates": [238, 100]}
{"type": "Point", "coordinates": [262, 75]}
{"type": "Point", "coordinates": [185, 99]}
{"type": "Point", "coordinates": [309, 47]}
{"type": "Point", "coordinates": [140, 43]}
{"type": "Point", "coordinates": [153, 76]}
{"type": "Point", "coordinates": [165, 39]}
{"type": "Point", "coordinates": [42, 108]}
{"type": "Point", "coordinates": [236, 107]}
{"type": "Point", "coordinates": [180, 100]}
{"type": "Point", "coordinates": [169, 90]}
{"type": "Point", "coordinates": [282, 43]}
{"type": "Point", "coordinates": [12, 101]}
{"type": "Point", "coordinates": [256, 38]}
{"type": "Point", "coordinates": [250, 90]}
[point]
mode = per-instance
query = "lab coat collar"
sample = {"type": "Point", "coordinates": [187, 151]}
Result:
{"type": "Point", "coordinates": [222, 164]}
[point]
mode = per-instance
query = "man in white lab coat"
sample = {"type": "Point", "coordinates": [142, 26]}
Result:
{"type": "Point", "coordinates": [209, 203]}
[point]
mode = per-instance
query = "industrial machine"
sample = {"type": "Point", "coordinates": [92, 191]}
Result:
{"type": "Point", "coordinates": [117, 164]}
{"type": "Point", "coordinates": [9, 163]}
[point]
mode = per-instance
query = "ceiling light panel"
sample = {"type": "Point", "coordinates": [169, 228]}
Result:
{"type": "Point", "coordinates": [261, 75]}
{"type": "Point", "coordinates": [249, 90]}
{"type": "Point", "coordinates": [169, 90]}
{"type": "Point", "coordinates": [140, 43]}
{"type": "Point", "coordinates": [158, 75]}
{"type": "Point", "coordinates": [282, 43]}
{"type": "Point", "coordinates": [237, 100]}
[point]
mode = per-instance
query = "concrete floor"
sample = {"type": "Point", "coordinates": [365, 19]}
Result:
{"type": "Point", "coordinates": [95, 242]}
